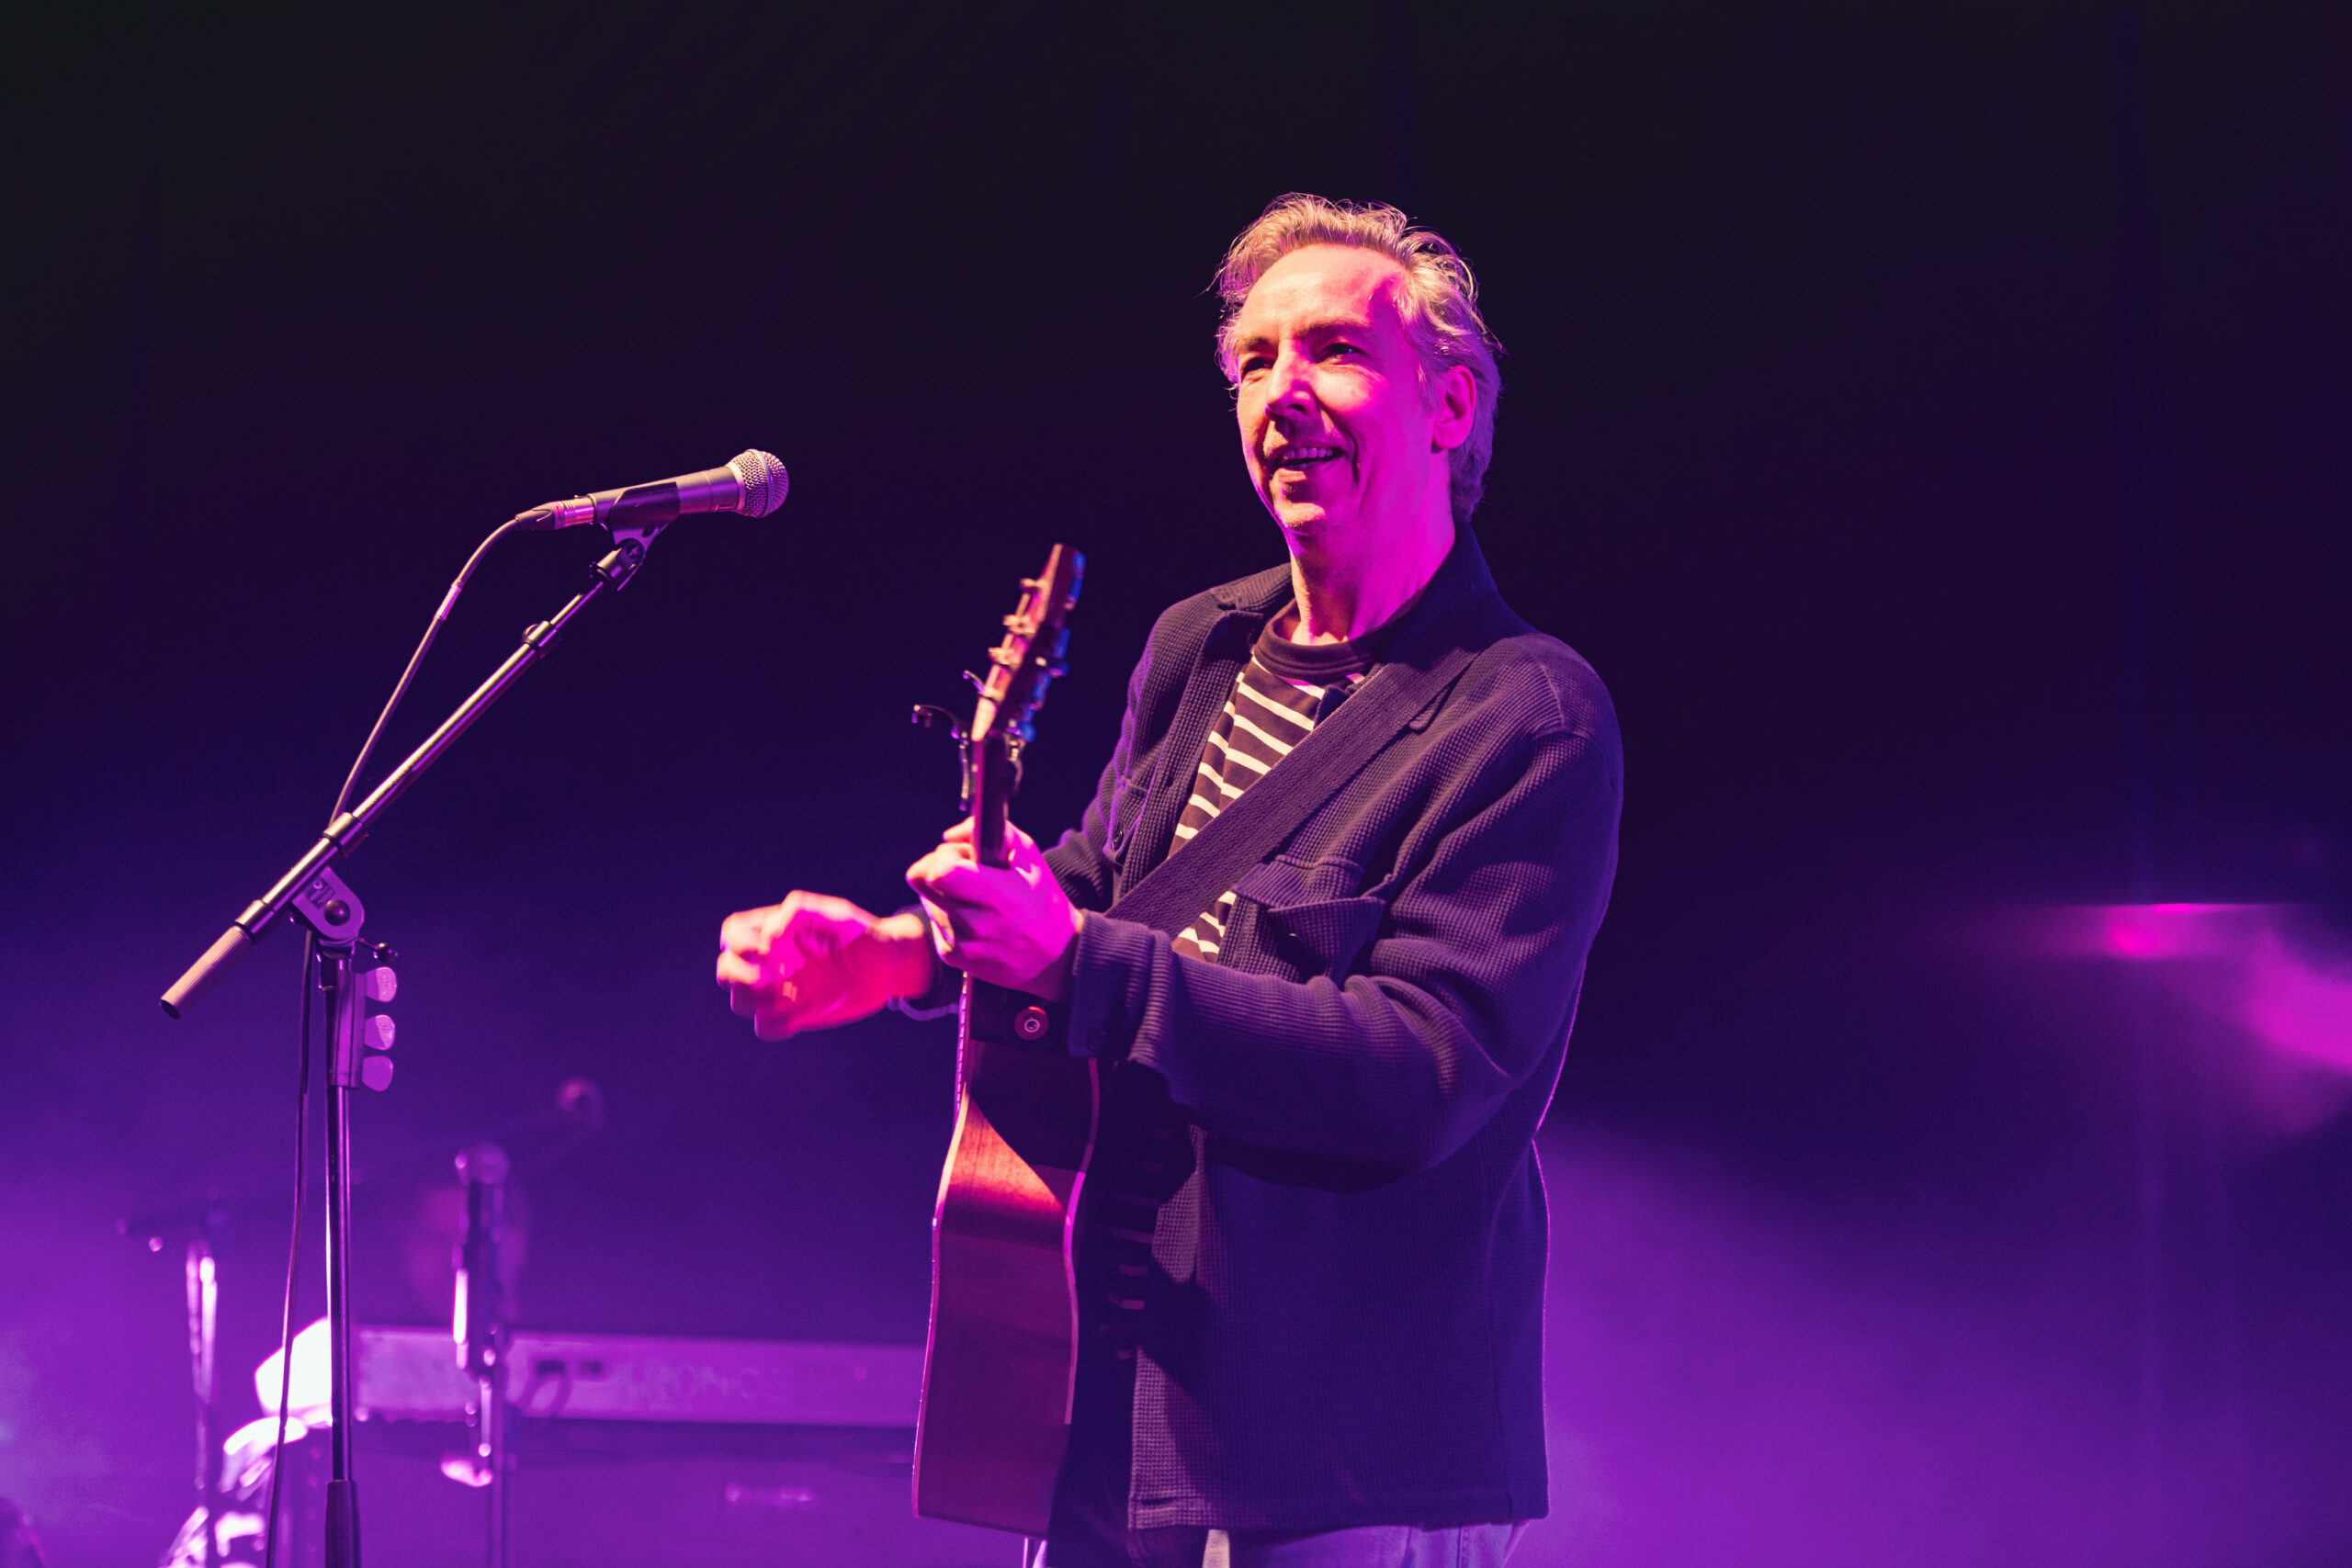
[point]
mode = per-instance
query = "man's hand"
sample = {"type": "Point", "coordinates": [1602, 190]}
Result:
{"type": "Point", "coordinates": [1012, 927]}
{"type": "Point", "coordinates": [813, 961]}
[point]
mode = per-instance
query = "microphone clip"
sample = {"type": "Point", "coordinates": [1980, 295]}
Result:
{"type": "Point", "coordinates": [627, 555]}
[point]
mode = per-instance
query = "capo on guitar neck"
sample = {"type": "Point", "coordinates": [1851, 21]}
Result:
{"type": "Point", "coordinates": [929, 716]}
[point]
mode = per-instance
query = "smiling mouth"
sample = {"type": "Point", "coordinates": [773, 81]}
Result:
{"type": "Point", "coordinates": [1301, 458]}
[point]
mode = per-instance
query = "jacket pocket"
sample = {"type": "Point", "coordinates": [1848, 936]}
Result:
{"type": "Point", "coordinates": [1286, 914]}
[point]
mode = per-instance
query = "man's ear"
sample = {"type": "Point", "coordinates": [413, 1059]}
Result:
{"type": "Point", "coordinates": [1457, 408]}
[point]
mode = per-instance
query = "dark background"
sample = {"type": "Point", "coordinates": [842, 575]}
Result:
{"type": "Point", "coordinates": [1930, 419]}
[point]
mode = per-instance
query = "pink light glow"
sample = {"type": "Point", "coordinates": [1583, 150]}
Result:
{"type": "Point", "coordinates": [2296, 1007]}
{"type": "Point", "coordinates": [2237, 961]}
{"type": "Point", "coordinates": [2173, 931]}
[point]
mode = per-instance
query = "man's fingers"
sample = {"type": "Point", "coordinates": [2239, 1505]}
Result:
{"type": "Point", "coordinates": [734, 969]}
{"type": "Point", "coordinates": [747, 930]}
{"type": "Point", "coordinates": [796, 964]}
{"type": "Point", "coordinates": [954, 849]}
{"type": "Point", "coordinates": [780, 1010]}
{"type": "Point", "coordinates": [941, 857]}
{"type": "Point", "coordinates": [819, 923]}
{"type": "Point", "coordinates": [758, 946]}
{"type": "Point", "coordinates": [946, 879]}
{"type": "Point", "coordinates": [825, 993]}
{"type": "Point", "coordinates": [776, 963]}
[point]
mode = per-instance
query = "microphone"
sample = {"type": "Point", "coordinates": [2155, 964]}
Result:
{"type": "Point", "coordinates": [754, 484]}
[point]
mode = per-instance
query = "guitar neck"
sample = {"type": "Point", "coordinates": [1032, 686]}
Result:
{"type": "Point", "coordinates": [1020, 668]}
{"type": "Point", "coordinates": [995, 776]}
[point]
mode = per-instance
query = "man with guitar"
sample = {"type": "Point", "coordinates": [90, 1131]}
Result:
{"type": "Point", "coordinates": [1316, 949]}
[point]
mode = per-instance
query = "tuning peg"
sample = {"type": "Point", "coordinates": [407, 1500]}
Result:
{"type": "Point", "coordinates": [379, 985]}
{"type": "Point", "coordinates": [375, 1072]}
{"type": "Point", "coordinates": [379, 1033]}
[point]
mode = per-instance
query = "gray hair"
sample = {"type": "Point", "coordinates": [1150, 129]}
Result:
{"type": "Point", "coordinates": [1439, 304]}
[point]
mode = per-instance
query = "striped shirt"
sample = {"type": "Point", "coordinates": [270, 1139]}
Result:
{"type": "Point", "coordinates": [1285, 688]}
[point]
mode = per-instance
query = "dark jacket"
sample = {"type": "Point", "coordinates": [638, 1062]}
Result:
{"type": "Point", "coordinates": [1343, 1321]}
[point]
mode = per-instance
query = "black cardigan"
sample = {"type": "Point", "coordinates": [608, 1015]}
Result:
{"type": "Point", "coordinates": [1343, 1324]}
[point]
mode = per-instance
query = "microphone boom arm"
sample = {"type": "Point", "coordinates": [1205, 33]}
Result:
{"type": "Point", "coordinates": [343, 834]}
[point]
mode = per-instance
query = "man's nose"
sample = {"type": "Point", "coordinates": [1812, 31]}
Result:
{"type": "Point", "coordinates": [1288, 386]}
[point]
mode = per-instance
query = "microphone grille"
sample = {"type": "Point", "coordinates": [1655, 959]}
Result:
{"type": "Point", "coordinates": [765, 482]}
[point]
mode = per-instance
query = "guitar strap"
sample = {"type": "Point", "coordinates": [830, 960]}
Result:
{"type": "Point", "coordinates": [1394, 696]}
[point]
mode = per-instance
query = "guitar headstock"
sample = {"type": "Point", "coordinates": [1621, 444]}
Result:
{"type": "Point", "coordinates": [1037, 634]}
{"type": "Point", "coordinates": [1004, 719]}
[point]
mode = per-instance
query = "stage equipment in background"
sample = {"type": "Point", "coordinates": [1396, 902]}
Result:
{"type": "Point", "coordinates": [208, 1223]}
{"type": "Point", "coordinates": [409, 1374]}
{"type": "Point", "coordinates": [232, 1472]}
{"type": "Point", "coordinates": [320, 899]}
{"type": "Point", "coordinates": [661, 1449]}
{"type": "Point", "coordinates": [478, 1326]}
{"type": "Point", "coordinates": [999, 1369]}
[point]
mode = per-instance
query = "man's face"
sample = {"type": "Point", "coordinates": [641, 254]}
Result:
{"type": "Point", "coordinates": [1340, 437]}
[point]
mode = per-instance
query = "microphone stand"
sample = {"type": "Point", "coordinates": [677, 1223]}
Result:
{"type": "Point", "coordinates": [345, 833]}
{"type": "Point", "coordinates": [478, 1326]}
{"type": "Point", "coordinates": [203, 1312]}
{"type": "Point", "coordinates": [312, 891]}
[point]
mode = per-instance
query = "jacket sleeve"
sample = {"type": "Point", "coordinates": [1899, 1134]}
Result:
{"type": "Point", "coordinates": [1470, 976]}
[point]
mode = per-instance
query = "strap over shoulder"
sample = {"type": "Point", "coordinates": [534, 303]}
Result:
{"type": "Point", "coordinates": [1460, 618]}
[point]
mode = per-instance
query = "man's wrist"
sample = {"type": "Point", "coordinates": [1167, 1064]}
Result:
{"type": "Point", "coordinates": [1053, 983]}
{"type": "Point", "coordinates": [906, 941]}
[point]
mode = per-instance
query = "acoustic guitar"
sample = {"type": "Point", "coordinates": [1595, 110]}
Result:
{"type": "Point", "coordinates": [1001, 1356]}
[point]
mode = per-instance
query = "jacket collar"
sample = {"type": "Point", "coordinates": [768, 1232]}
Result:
{"type": "Point", "coordinates": [1462, 576]}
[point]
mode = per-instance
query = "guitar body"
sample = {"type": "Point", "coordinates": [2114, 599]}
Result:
{"type": "Point", "coordinates": [1002, 1359]}
{"type": "Point", "coordinates": [1004, 1345]}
